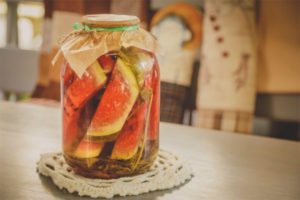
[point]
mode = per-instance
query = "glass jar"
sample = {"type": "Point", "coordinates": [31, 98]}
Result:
{"type": "Point", "coordinates": [111, 111]}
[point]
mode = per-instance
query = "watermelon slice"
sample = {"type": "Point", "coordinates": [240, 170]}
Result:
{"type": "Point", "coordinates": [131, 135]}
{"type": "Point", "coordinates": [107, 61]}
{"type": "Point", "coordinates": [116, 102]}
{"type": "Point", "coordinates": [82, 89]}
{"type": "Point", "coordinates": [88, 149]}
{"type": "Point", "coordinates": [127, 143]}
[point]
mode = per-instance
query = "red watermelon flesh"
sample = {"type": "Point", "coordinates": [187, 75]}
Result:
{"type": "Point", "coordinates": [116, 102]}
{"type": "Point", "coordinates": [68, 75]}
{"type": "Point", "coordinates": [83, 88]}
{"type": "Point", "coordinates": [127, 143]}
{"type": "Point", "coordinates": [107, 62]}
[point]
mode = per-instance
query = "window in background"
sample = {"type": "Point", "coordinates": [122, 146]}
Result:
{"type": "Point", "coordinates": [30, 21]}
{"type": "Point", "coordinates": [3, 11]}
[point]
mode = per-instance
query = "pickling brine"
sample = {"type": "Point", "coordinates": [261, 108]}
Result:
{"type": "Point", "coordinates": [111, 114]}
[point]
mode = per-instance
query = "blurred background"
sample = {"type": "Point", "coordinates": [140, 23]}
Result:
{"type": "Point", "coordinates": [231, 65]}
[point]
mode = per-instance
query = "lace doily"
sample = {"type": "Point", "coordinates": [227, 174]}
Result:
{"type": "Point", "coordinates": [167, 171]}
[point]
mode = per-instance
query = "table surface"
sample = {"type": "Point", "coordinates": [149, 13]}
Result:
{"type": "Point", "coordinates": [226, 165]}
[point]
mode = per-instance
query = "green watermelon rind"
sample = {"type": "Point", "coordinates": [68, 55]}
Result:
{"type": "Point", "coordinates": [99, 73]}
{"type": "Point", "coordinates": [88, 149]}
{"type": "Point", "coordinates": [138, 61]}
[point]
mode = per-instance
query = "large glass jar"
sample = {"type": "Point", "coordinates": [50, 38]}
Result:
{"type": "Point", "coordinates": [111, 111]}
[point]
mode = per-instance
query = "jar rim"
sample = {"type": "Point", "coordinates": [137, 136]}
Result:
{"type": "Point", "coordinates": [109, 20]}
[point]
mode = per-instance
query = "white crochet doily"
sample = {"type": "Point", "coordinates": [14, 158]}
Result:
{"type": "Point", "coordinates": [167, 171]}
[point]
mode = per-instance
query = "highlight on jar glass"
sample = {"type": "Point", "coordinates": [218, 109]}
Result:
{"type": "Point", "coordinates": [110, 97]}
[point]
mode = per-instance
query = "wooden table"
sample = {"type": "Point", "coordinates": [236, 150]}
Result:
{"type": "Point", "coordinates": [226, 165]}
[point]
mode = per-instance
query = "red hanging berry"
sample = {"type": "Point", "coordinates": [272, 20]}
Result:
{"type": "Point", "coordinates": [220, 39]}
{"type": "Point", "coordinates": [225, 54]}
{"type": "Point", "coordinates": [216, 27]}
{"type": "Point", "coordinates": [212, 18]}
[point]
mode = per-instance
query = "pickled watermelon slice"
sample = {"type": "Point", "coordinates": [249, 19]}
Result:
{"type": "Point", "coordinates": [131, 135]}
{"type": "Point", "coordinates": [88, 149]}
{"type": "Point", "coordinates": [83, 89]}
{"type": "Point", "coordinates": [127, 143]}
{"type": "Point", "coordinates": [116, 102]}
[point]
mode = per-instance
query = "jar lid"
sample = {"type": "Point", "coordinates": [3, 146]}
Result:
{"type": "Point", "coordinates": [109, 20]}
